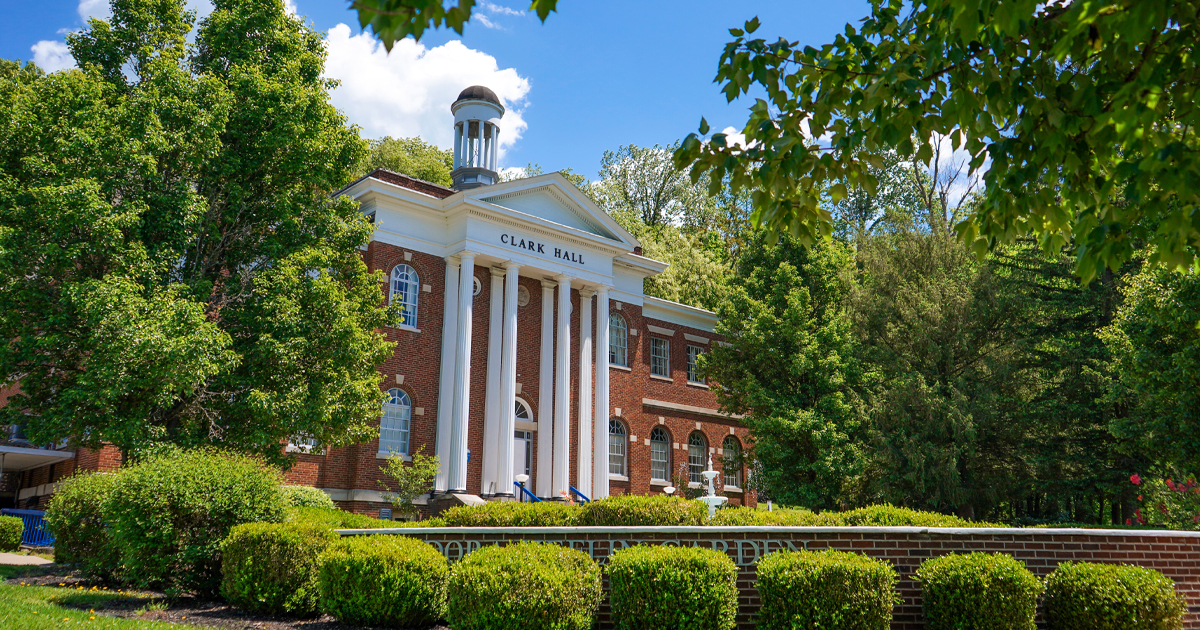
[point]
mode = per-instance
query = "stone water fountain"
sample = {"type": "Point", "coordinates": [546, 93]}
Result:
{"type": "Point", "coordinates": [711, 498]}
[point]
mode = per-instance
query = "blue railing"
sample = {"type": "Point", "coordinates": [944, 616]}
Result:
{"type": "Point", "coordinates": [579, 494]}
{"type": "Point", "coordinates": [526, 492]}
{"type": "Point", "coordinates": [36, 534]}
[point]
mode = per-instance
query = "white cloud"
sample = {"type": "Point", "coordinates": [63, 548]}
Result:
{"type": "Point", "coordinates": [734, 138]}
{"type": "Point", "coordinates": [52, 56]}
{"type": "Point", "coordinates": [409, 92]}
{"type": "Point", "coordinates": [483, 19]}
{"type": "Point", "coordinates": [289, 6]}
{"type": "Point", "coordinates": [498, 9]}
{"type": "Point", "coordinates": [94, 9]}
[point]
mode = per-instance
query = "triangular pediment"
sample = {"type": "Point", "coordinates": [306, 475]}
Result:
{"type": "Point", "coordinates": [552, 198]}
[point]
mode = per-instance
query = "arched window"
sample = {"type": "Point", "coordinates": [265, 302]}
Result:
{"type": "Point", "coordinates": [393, 426]}
{"type": "Point", "coordinates": [522, 411]}
{"type": "Point", "coordinates": [406, 285]}
{"type": "Point", "coordinates": [616, 448]}
{"type": "Point", "coordinates": [660, 454]}
{"type": "Point", "coordinates": [733, 461]}
{"type": "Point", "coordinates": [697, 456]}
{"type": "Point", "coordinates": [618, 340]}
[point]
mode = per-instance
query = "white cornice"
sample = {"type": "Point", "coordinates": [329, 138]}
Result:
{"type": "Point", "coordinates": [676, 313]}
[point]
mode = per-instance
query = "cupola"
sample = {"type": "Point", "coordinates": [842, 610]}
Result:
{"type": "Point", "coordinates": [477, 114]}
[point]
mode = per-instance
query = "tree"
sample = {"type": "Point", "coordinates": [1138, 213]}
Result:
{"type": "Point", "coordinates": [1082, 114]}
{"type": "Point", "coordinates": [171, 264]}
{"type": "Point", "coordinates": [1155, 342]}
{"type": "Point", "coordinates": [410, 481]}
{"type": "Point", "coordinates": [792, 368]}
{"type": "Point", "coordinates": [644, 180]}
{"type": "Point", "coordinates": [392, 20]}
{"type": "Point", "coordinates": [411, 156]}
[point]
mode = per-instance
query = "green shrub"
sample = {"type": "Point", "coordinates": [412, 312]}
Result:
{"type": "Point", "coordinates": [978, 591]}
{"type": "Point", "coordinates": [643, 510]}
{"type": "Point", "coordinates": [272, 567]}
{"type": "Point", "coordinates": [307, 496]}
{"type": "Point", "coordinates": [825, 589]}
{"type": "Point", "coordinates": [76, 518]}
{"type": "Point", "coordinates": [891, 516]}
{"type": "Point", "coordinates": [170, 512]}
{"type": "Point", "coordinates": [334, 518]}
{"type": "Point", "coordinates": [789, 517]}
{"type": "Point", "coordinates": [1093, 596]}
{"type": "Point", "coordinates": [526, 586]}
{"type": "Point", "coordinates": [11, 530]}
{"type": "Point", "coordinates": [513, 514]}
{"type": "Point", "coordinates": [656, 587]}
{"type": "Point", "coordinates": [391, 581]}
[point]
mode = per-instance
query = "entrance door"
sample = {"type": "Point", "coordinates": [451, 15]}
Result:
{"type": "Point", "coordinates": [523, 455]}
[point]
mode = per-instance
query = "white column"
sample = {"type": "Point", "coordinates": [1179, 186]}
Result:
{"type": "Point", "coordinates": [508, 382]}
{"type": "Point", "coordinates": [600, 425]}
{"type": "Point", "coordinates": [487, 147]}
{"type": "Point", "coordinates": [445, 407]}
{"type": "Point", "coordinates": [542, 477]}
{"type": "Point", "coordinates": [585, 392]}
{"type": "Point", "coordinates": [562, 391]}
{"type": "Point", "coordinates": [462, 381]}
{"type": "Point", "coordinates": [495, 148]}
{"type": "Point", "coordinates": [457, 145]}
{"type": "Point", "coordinates": [492, 445]}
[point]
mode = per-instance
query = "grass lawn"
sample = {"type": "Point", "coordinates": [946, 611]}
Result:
{"type": "Point", "coordinates": [47, 607]}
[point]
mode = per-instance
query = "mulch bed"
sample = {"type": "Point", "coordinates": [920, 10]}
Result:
{"type": "Point", "coordinates": [185, 610]}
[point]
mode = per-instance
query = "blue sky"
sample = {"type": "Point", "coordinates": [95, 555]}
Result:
{"type": "Point", "coordinates": [595, 76]}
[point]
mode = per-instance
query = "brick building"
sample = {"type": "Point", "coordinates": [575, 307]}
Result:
{"type": "Point", "coordinates": [526, 348]}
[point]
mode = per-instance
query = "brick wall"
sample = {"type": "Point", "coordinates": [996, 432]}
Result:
{"type": "Point", "coordinates": [1175, 554]}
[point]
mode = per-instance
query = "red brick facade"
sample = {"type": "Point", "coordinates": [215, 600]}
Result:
{"type": "Point", "coordinates": [1172, 553]}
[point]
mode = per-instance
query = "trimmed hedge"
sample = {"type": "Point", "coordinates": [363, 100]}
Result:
{"type": "Point", "coordinates": [887, 515]}
{"type": "Point", "coordinates": [513, 514]}
{"type": "Point", "coordinates": [526, 586]}
{"type": "Point", "coordinates": [825, 589]}
{"type": "Point", "coordinates": [391, 581]}
{"type": "Point", "coordinates": [333, 518]}
{"type": "Point", "coordinates": [170, 513]}
{"type": "Point", "coordinates": [978, 591]}
{"type": "Point", "coordinates": [657, 587]}
{"type": "Point", "coordinates": [76, 518]}
{"type": "Point", "coordinates": [307, 496]}
{"type": "Point", "coordinates": [655, 510]}
{"type": "Point", "coordinates": [11, 531]}
{"type": "Point", "coordinates": [1090, 596]}
{"type": "Point", "coordinates": [272, 567]}
{"type": "Point", "coordinates": [786, 517]}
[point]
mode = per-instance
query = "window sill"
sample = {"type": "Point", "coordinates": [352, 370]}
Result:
{"type": "Point", "coordinates": [407, 328]}
{"type": "Point", "coordinates": [612, 477]}
{"type": "Point", "coordinates": [660, 482]}
{"type": "Point", "coordinates": [666, 379]}
{"type": "Point", "coordinates": [385, 455]}
{"type": "Point", "coordinates": [614, 366]}
{"type": "Point", "coordinates": [733, 489]}
{"type": "Point", "coordinates": [697, 384]}
{"type": "Point", "coordinates": [694, 485]}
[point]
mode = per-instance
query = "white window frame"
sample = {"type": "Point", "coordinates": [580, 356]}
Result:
{"type": "Point", "coordinates": [660, 453]}
{"type": "Point", "coordinates": [618, 340]}
{"type": "Point", "coordinates": [697, 456]}
{"type": "Point", "coordinates": [733, 477]}
{"type": "Point", "coordinates": [397, 409]}
{"type": "Point", "coordinates": [618, 449]}
{"type": "Point", "coordinates": [663, 357]}
{"type": "Point", "coordinates": [693, 374]}
{"type": "Point", "coordinates": [406, 287]}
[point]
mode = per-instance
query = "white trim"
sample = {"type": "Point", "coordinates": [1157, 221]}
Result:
{"type": "Point", "coordinates": [667, 379]}
{"type": "Point", "coordinates": [697, 384]}
{"type": "Point", "coordinates": [773, 529]}
{"type": "Point", "coordinates": [612, 477]}
{"type": "Point", "coordinates": [676, 313]}
{"type": "Point", "coordinates": [659, 482]}
{"type": "Point", "coordinates": [666, 332]}
{"type": "Point", "coordinates": [695, 338]}
{"type": "Point", "coordinates": [614, 366]}
{"type": "Point", "coordinates": [702, 411]}
{"type": "Point", "coordinates": [406, 327]}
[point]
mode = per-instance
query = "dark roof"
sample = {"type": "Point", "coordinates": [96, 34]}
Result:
{"type": "Point", "coordinates": [412, 183]}
{"type": "Point", "coordinates": [479, 93]}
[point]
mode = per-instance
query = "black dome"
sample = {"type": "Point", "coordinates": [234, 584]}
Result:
{"type": "Point", "coordinates": [479, 93]}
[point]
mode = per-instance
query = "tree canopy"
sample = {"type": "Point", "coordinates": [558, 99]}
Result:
{"type": "Point", "coordinates": [172, 266]}
{"type": "Point", "coordinates": [1083, 114]}
{"type": "Point", "coordinates": [411, 156]}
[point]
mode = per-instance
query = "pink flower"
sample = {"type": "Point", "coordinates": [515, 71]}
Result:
{"type": "Point", "coordinates": [1129, 521]}
{"type": "Point", "coordinates": [1139, 497]}
{"type": "Point", "coordinates": [1135, 479]}
{"type": "Point", "coordinates": [1196, 518]}
{"type": "Point", "coordinates": [1170, 484]}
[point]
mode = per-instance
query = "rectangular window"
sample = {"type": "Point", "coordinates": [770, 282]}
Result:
{"type": "Point", "coordinates": [616, 454]}
{"type": "Point", "coordinates": [693, 373]}
{"type": "Point", "coordinates": [658, 460]}
{"type": "Point", "coordinates": [660, 353]}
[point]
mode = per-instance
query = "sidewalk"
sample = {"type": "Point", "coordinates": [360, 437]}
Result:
{"type": "Point", "coordinates": [12, 558]}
